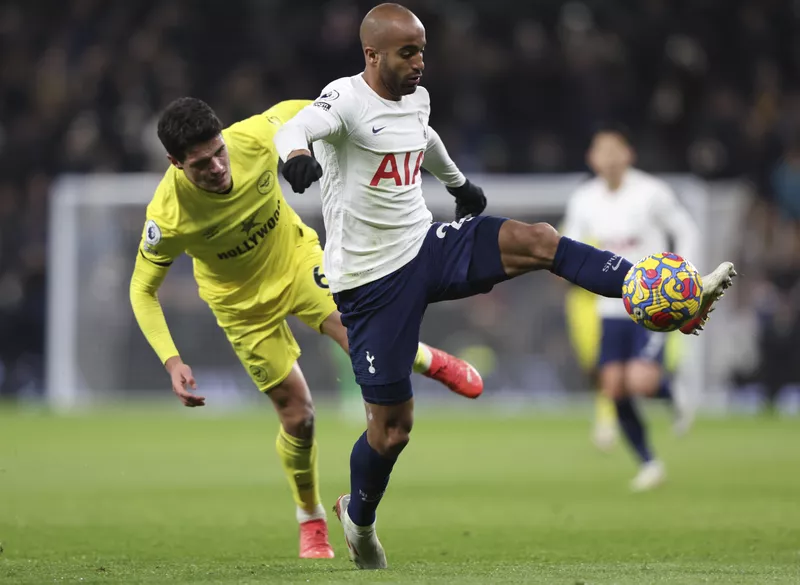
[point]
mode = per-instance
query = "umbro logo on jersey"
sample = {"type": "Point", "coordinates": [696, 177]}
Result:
{"type": "Point", "coordinates": [211, 232]}
{"type": "Point", "coordinates": [376, 130]}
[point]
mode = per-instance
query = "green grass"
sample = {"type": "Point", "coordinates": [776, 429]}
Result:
{"type": "Point", "coordinates": [180, 497]}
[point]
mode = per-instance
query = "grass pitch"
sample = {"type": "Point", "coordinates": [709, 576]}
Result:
{"type": "Point", "coordinates": [176, 496]}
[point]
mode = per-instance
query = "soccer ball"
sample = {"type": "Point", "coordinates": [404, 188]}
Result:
{"type": "Point", "coordinates": [662, 292]}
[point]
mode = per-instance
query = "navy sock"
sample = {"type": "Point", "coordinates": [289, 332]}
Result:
{"type": "Point", "coordinates": [632, 427]}
{"type": "Point", "coordinates": [598, 271]}
{"type": "Point", "coordinates": [369, 476]}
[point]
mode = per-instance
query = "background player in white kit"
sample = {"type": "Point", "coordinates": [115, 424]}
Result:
{"type": "Point", "coordinates": [633, 214]}
{"type": "Point", "coordinates": [385, 259]}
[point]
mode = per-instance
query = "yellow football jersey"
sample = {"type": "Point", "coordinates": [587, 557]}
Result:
{"type": "Point", "coordinates": [241, 241]}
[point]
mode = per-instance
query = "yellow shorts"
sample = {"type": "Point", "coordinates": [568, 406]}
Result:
{"type": "Point", "coordinates": [265, 345]}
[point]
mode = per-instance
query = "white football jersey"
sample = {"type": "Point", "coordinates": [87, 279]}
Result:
{"type": "Point", "coordinates": [634, 221]}
{"type": "Point", "coordinates": [371, 151]}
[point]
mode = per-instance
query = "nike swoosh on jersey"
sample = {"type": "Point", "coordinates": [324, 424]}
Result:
{"type": "Point", "coordinates": [376, 130]}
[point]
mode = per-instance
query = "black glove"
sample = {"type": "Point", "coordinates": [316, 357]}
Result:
{"type": "Point", "coordinates": [300, 171]}
{"type": "Point", "coordinates": [470, 200]}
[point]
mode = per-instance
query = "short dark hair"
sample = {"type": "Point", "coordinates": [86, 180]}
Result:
{"type": "Point", "coordinates": [614, 127]}
{"type": "Point", "coordinates": [185, 122]}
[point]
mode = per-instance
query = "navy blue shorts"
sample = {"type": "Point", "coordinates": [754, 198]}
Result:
{"type": "Point", "coordinates": [623, 340]}
{"type": "Point", "coordinates": [383, 317]}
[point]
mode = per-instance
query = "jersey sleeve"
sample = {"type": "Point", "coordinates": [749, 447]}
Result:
{"type": "Point", "coordinates": [158, 249]}
{"type": "Point", "coordinates": [330, 117]}
{"type": "Point", "coordinates": [677, 221]}
{"type": "Point", "coordinates": [284, 111]}
{"type": "Point", "coordinates": [160, 245]}
{"type": "Point", "coordinates": [438, 162]}
{"type": "Point", "coordinates": [573, 224]}
{"type": "Point", "coordinates": [262, 127]}
{"type": "Point", "coordinates": [147, 278]}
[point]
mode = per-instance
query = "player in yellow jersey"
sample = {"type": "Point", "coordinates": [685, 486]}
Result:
{"type": "Point", "coordinates": [255, 262]}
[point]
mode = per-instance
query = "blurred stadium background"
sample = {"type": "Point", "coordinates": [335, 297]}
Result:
{"type": "Point", "coordinates": [710, 89]}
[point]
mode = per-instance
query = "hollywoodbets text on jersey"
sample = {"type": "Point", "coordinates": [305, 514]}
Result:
{"type": "Point", "coordinates": [253, 240]}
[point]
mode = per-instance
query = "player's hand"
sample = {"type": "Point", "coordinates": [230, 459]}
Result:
{"type": "Point", "coordinates": [183, 382]}
{"type": "Point", "coordinates": [470, 200]}
{"type": "Point", "coordinates": [300, 171]}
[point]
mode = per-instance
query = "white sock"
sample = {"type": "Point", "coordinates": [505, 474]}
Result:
{"type": "Point", "coordinates": [361, 530]}
{"type": "Point", "coordinates": [317, 514]}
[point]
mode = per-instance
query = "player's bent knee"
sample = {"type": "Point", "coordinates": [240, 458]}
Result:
{"type": "Point", "coordinates": [543, 242]}
{"type": "Point", "coordinates": [643, 387]}
{"type": "Point", "coordinates": [298, 421]}
{"type": "Point", "coordinates": [527, 247]}
{"type": "Point", "coordinates": [295, 411]}
{"type": "Point", "coordinates": [643, 379]}
{"type": "Point", "coordinates": [389, 427]}
{"type": "Point", "coordinates": [394, 440]}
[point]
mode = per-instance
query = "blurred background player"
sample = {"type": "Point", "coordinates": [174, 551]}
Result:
{"type": "Point", "coordinates": [387, 261]}
{"type": "Point", "coordinates": [255, 262]}
{"type": "Point", "coordinates": [632, 214]}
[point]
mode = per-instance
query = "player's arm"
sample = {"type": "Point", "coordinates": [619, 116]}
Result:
{"type": "Point", "coordinates": [677, 220]}
{"type": "Point", "coordinates": [263, 126]}
{"type": "Point", "coordinates": [470, 200]}
{"type": "Point", "coordinates": [327, 118]}
{"type": "Point", "coordinates": [284, 111]}
{"type": "Point", "coordinates": [153, 261]}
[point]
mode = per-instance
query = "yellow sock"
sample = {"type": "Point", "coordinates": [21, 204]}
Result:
{"type": "Point", "coordinates": [605, 413]}
{"type": "Point", "coordinates": [299, 460]}
{"type": "Point", "coordinates": [422, 362]}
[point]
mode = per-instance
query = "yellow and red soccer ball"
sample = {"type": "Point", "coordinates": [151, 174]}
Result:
{"type": "Point", "coordinates": [662, 292]}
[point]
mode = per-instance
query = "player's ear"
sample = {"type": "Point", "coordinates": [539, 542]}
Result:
{"type": "Point", "coordinates": [174, 161]}
{"type": "Point", "coordinates": [371, 55]}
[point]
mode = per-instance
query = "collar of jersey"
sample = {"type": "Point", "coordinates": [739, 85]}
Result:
{"type": "Point", "coordinates": [375, 93]}
{"type": "Point", "coordinates": [187, 183]}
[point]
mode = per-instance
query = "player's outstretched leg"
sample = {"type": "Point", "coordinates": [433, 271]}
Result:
{"type": "Point", "coordinates": [458, 375]}
{"type": "Point", "coordinates": [297, 450]}
{"type": "Point", "coordinates": [371, 462]}
{"type": "Point", "coordinates": [528, 247]}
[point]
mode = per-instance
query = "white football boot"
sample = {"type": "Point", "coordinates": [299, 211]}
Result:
{"type": "Point", "coordinates": [651, 475]}
{"type": "Point", "coordinates": [365, 549]}
{"type": "Point", "coordinates": [714, 286]}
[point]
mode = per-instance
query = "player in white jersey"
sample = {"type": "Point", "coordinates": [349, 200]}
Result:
{"type": "Point", "coordinates": [386, 261]}
{"type": "Point", "coordinates": [632, 214]}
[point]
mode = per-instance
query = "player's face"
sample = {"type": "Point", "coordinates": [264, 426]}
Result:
{"type": "Point", "coordinates": [609, 155]}
{"type": "Point", "coordinates": [207, 165]}
{"type": "Point", "coordinates": [401, 64]}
